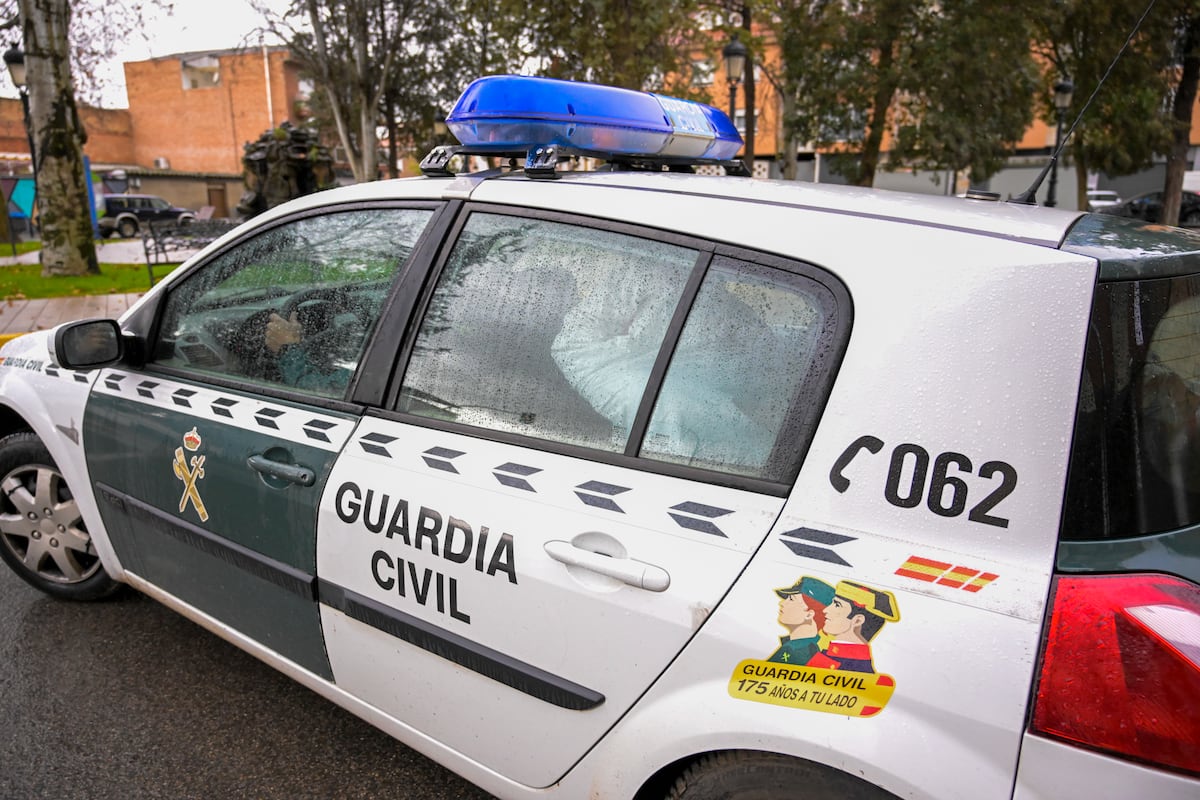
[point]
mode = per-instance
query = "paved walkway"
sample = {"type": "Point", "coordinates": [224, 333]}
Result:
{"type": "Point", "coordinates": [22, 316]}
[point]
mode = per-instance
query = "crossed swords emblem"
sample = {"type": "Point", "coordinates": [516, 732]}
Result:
{"type": "Point", "coordinates": [189, 478]}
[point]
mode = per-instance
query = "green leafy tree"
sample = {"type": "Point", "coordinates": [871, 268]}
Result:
{"type": "Point", "coordinates": [805, 32]}
{"type": "Point", "coordinates": [845, 72]}
{"type": "Point", "coordinates": [1125, 126]}
{"type": "Point", "coordinates": [631, 43]}
{"type": "Point", "coordinates": [951, 80]}
{"type": "Point", "coordinates": [966, 99]}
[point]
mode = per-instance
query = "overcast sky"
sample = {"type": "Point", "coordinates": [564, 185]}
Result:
{"type": "Point", "coordinates": [194, 25]}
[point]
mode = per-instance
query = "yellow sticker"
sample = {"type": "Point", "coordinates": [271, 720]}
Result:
{"type": "Point", "coordinates": [190, 474]}
{"type": "Point", "coordinates": [851, 694]}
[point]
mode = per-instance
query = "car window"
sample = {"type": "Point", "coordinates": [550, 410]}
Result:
{"type": "Point", "coordinates": [158, 204]}
{"type": "Point", "coordinates": [1135, 462]}
{"type": "Point", "coordinates": [292, 306]}
{"type": "Point", "coordinates": [737, 371]}
{"type": "Point", "coordinates": [552, 331]}
{"type": "Point", "coordinates": [545, 329]}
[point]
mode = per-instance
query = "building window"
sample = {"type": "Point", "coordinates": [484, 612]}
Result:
{"type": "Point", "coordinates": [203, 72]}
{"type": "Point", "coordinates": [739, 121]}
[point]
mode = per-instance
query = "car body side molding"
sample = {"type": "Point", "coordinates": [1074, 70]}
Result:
{"type": "Point", "coordinates": [490, 663]}
{"type": "Point", "coordinates": [286, 577]}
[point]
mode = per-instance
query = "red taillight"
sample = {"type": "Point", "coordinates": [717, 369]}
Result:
{"type": "Point", "coordinates": [1121, 668]}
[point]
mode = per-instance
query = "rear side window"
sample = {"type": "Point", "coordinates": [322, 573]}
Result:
{"type": "Point", "coordinates": [624, 344]}
{"type": "Point", "coordinates": [1135, 466]}
{"type": "Point", "coordinates": [546, 329]}
{"type": "Point", "coordinates": [744, 358]}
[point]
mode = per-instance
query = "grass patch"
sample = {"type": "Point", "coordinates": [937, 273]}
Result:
{"type": "Point", "coordinates": [33, 245]}
{"type": "Point", "coordinates": [25, 281]}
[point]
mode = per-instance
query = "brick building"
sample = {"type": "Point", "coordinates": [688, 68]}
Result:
{"type": "Point", "coordinates": [189, 116]}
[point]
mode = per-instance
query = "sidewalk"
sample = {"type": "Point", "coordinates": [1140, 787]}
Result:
{"type": "Point", "coordinates": [22, 316]}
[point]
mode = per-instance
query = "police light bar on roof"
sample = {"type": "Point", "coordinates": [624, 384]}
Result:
{"type": "Point", "coordinates": [507, 113]}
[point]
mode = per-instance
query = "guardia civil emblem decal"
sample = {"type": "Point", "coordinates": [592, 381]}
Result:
{"type": "Point", "coordinates": [190, 472]}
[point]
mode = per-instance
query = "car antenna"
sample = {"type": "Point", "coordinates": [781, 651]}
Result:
{"type": "Point", "coordinates": [1029, 196]}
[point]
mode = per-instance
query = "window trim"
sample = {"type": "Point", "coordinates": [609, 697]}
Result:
{"type": "Point", "coordinates": [148, 324]}
{"type": "Point", "coordinates": [824, 368]}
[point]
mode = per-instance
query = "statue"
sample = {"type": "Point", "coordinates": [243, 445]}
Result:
{"type": "Point", "coordinates": [283, 163]}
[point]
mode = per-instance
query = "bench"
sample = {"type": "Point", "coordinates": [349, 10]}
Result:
{"type": "Point", "coordinates": [174, 242]}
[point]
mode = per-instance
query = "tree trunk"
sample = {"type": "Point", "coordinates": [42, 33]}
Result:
{"type": "Point", "coordinates": [751, 92]}
{"type": "Point", "coordinates": [790, 145]}
{"type": "Point", "coordinates": [64, 215]}
{"type": "Point", "coordinates": [1185, 99]}
{"type": "Point", "coordinates": [880, 106]}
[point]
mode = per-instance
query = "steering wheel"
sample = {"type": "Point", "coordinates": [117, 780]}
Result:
{"type": "Point", "coordinates": [332, 328]}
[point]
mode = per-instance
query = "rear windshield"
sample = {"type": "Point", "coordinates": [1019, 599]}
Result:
{"type": "Point", "coordinates": [1135, 467]}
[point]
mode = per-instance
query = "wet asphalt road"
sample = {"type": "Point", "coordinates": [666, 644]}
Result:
{"type": "Point", "coordinates": [125, 699]}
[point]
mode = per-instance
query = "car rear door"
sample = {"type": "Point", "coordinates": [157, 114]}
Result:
{"type": "Point", "coordinates": [587, 443]}
{"type": "Point", "coordinates": [209, 463]}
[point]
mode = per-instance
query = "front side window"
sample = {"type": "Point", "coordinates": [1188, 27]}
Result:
{"type": "Point", "coordinates": [294, 305]}
{"type": "Point", "coordinates": [545, 329]}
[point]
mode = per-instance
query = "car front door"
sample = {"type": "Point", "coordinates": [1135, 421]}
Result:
{"type": "Point", "coordinates": [591, 437]}
{"type": "Point", "coordinates": [209, 463]}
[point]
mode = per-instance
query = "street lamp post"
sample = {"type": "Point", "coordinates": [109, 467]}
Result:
{"type": "Point", "coordinates": [14, 59]}
{"type": "Point", "coordinates": [1062, 101]}
{"type": "Point", "coordinates": [735, 68]}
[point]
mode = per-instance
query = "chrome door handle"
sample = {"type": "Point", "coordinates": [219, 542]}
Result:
{"type": "Point", "coordinates": [292, 473]}
{"type": "Point", "coordinates": [627, 570]}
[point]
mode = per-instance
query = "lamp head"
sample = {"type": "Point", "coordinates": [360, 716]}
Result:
{"type": "Point", "coordinates": [1063, 91]}
{"type": "Point", "coordinates": [734, 54]}
{"type": "Point", "coordinates": [14, 59]}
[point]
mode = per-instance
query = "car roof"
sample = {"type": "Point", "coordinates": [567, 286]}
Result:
{"type": "Point", "coordinates": [1024, 223]}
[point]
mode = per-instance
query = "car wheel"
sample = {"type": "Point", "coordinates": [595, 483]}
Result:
{"type": "Point", "coordinates": [1190, 219]}
{"type": "Point", "coordinates": [128, 228]}
{"type": "Point", "coordinates": [42, 534]}
{"type": "Point", "coordinates": [749, 775]}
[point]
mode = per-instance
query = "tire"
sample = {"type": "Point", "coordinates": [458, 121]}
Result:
{"type": "Point", "coordinates": [128, 228]}
{"type": "Point", "coordinates": [1191, 219]}
{"type": "Point", "coordinates": [42, 535]}
{"type": "Point", "coordinates": [749, 775]}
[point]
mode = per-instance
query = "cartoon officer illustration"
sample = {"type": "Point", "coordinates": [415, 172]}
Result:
{"type": "Point", "coordinates": [852, 619]}
{"type": "Point", "coordinates": [802, 611]}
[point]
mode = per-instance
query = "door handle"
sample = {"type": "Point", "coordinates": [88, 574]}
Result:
{"type": "Point", "coordinates": [292, 473]}
{"type": "Point", "coordinates": [627, 570]}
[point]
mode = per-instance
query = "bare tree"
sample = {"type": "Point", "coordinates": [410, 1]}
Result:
{"type": "Point", "coordinates": [351, 48]}
{"type": "Point", "coordinates": [59, 36]}
{"type": "Point", "coordinates": [98, 29]}
{"type": "Point", "coordinates": [58, 137]}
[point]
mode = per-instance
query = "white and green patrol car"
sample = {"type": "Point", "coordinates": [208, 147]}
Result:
{"type": "Point", "coordinates": [632, 483]}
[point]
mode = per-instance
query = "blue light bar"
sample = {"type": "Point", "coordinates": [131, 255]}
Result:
{"type": "Point", "coordinates": [505, 113]}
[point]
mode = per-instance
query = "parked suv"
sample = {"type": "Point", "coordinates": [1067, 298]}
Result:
{"type": "Point", "coordinates": [124, 213]}
{"type": "Point", "coordinates": [636, 483]}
